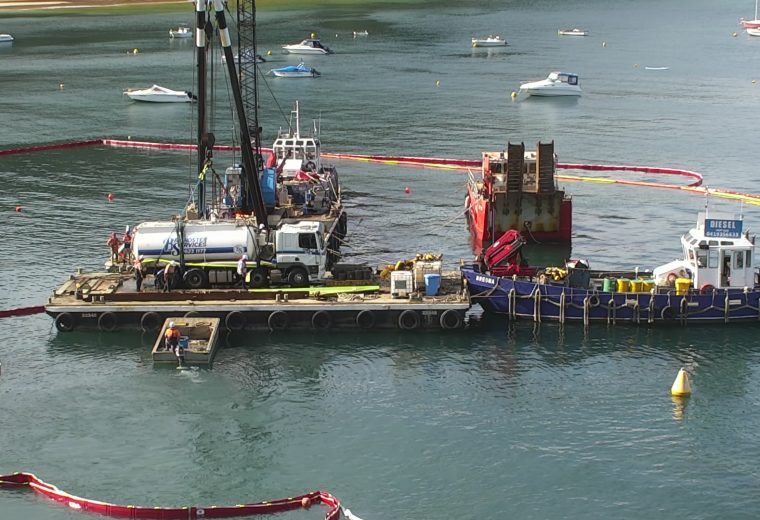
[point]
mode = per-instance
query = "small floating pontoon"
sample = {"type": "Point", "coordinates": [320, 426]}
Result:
{"type": "Point", "coordinates": [198, 336]}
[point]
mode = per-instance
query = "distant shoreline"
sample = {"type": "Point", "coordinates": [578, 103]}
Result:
{"type": "Point", "coordinates": [61, 7]}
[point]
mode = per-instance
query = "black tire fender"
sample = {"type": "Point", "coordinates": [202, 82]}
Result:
{"type": "Point", "coordinates": [365, 319]}
{"type": "Point", "coordinates": [409, 320]}
{"type": "Point", "coordinates": [64, 322]}
{"type": "Point", "coordinates": [667, 313]}
{"type": "Point", "coordinates": [235, 320]}
{"type": "Point", "coordinates": [321, 320]}
{"type": "Point", "coordinates": [192, 314]}
{"type": "Point", "coordinates": [150, 321]}
{"type": "Point", "coordinates": [278, 320]}
{"type": "Point", "coordinates": [108, 321]}
{"type": "Point", "coordinates": [450, 319]}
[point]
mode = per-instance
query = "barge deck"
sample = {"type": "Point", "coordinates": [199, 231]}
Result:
{"type": "Point", "coordinates": [109, 302]}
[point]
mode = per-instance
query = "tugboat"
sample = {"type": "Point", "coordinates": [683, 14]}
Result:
{"type": "Point", "coordinates": [713, 282]}
{"type": "Point", "coordinates": [518, 190]}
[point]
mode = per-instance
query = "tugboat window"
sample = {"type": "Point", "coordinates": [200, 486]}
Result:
{"type": "Point", "coordinates": [739, 261]}
{"type": "Point", "coordinates": [713, 258]}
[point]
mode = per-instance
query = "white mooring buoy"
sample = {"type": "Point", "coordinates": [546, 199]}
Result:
{"type": "Point", "coordinates": [681, 386]}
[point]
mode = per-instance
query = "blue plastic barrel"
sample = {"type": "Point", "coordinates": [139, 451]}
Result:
{"type": "Point", "coordinates": [432, 284]}
{"type": "Point", "coordinates": [184, 342]}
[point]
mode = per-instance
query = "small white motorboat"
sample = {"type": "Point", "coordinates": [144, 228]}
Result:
{"type": "Point", "coordinates": [361, 33]}
{"type": "Point", "coordinates": [572, 32]}
{"type": "Point", "coordinates": [296, 71]}
{"type": "Point", "coordinates": [6, 38]}
{"type": "Point", "coordinates": [157, 94]}
{"type": "Point", "coordinates": [181, 32]}
{"type": "Point", "coordinates": [490, 41]}
{"type": "Point", "coordinates": [557, 84]}
{"type": "Point", "coordinates": [308, 46]}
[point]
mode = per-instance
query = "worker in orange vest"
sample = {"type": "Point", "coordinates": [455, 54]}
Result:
{"type": "Point", "coordinates": [171, 337]}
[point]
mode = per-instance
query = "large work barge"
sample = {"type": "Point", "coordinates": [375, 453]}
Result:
{"type": "Point", "coordinates": [110, 302]}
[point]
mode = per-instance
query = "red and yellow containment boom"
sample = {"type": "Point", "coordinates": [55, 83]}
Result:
{"type": "Point", "coordinates": [695, 186]}
{"type": "Point", "coordinates": [169, 513]}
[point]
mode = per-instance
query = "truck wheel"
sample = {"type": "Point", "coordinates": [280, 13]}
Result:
{"type": "Point", "coordinates": [196, 278]}
{"type": "Point", "coordinates": [298, 277]}
{"type": "Point", "coordinates": [259, 278]}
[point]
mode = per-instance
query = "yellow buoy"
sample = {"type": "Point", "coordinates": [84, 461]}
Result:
{"type": "Point", "coordinates": [438, 83]}
{"type": "Point", "coordinates": [604, 44]}
{"type": "Point", "coordinates": [313, 35]}
{"type": "Point", "coordinates": [514, 95]}
{"type": "Point", "coordinates": [135, 51]}
{"type": "Point", "coordinates": [269, 53]}
{"type": "Point", "coordinates": [60, 86]}
{"type": "Point", "coordinates": [733, 34]}
{"type": "Point", "coordinates": [681, 386]}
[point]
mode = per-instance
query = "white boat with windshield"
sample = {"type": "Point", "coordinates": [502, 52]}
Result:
{"type": "Point", "coordinates": [158, 94]}
{"type": "Point", "coordinates": [308, 46]}
{"type": "Point", "coordinates": [556, 84]}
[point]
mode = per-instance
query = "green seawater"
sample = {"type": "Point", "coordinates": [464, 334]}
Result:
{"type": "Point", "coordinates": [501, 421]}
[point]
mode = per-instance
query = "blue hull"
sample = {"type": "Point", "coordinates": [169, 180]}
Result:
{"type": "Point", "coordinates": [520, 298]}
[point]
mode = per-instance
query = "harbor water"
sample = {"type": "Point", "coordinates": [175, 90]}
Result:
{"type": "Point", "coordinates": [504, 420]}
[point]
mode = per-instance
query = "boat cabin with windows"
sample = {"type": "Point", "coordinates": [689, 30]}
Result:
{"type": "Point", "coordinates": [718, 253]}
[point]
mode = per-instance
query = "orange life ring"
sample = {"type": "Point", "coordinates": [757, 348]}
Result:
{"type": "Point", "coordinates": [706, 288]}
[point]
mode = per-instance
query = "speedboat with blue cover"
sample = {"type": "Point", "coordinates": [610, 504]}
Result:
{"type": "Point", "coordinates": [714, 282]}
{"type": "Point", "coordinates": [296, 71]}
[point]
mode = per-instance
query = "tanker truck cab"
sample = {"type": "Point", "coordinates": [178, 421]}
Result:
{"type": "Point", "coordinates": [300, 252]}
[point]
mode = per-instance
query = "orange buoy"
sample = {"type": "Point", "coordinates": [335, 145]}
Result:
{"type": "Point", "coordinates": [109, 197]}
{"type": "Point", "coordinates": [407, 190]}
{"type": "Point", "coordinates": [306, 502]}
{"type": "Point", "coordinates": [18, 209]}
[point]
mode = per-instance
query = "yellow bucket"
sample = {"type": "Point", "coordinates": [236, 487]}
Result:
{"type": "Point", "coordinates": [637, 285]}
{"type": "Point", "coordinates": [623, 285]}
{"type": "Point", "coordinates": [647, 285]}
{"type": "Point", "coordinates": [682, 285]}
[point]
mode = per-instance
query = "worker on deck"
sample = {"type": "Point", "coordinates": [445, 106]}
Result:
{"type": "Point", "coordinates": [139, 273]}
{"type": "Point", "coordinates": [169, 274]}
{"type": "Point", "coordinates": [242, 270]}
{"type": "Point", "coordinates": [126, 246]}
{"type": "Point", "coordinates": [113, 244]}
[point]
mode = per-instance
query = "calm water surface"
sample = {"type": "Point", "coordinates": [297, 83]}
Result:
{"type": "Point", "coordinates": [497, 422]}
